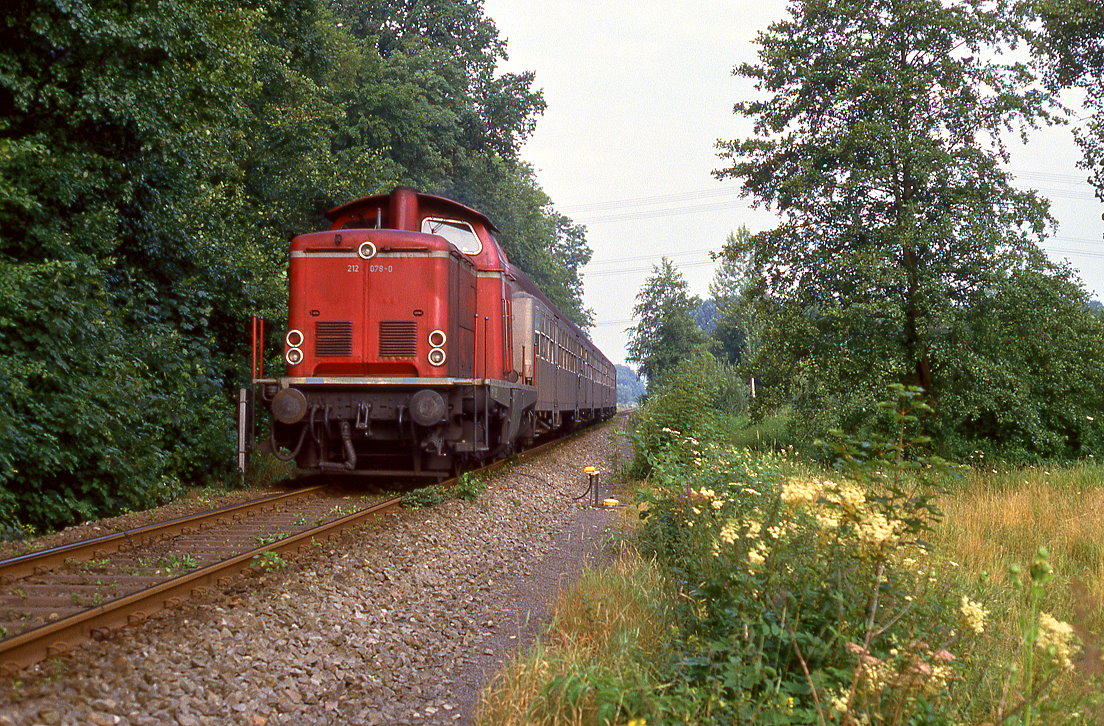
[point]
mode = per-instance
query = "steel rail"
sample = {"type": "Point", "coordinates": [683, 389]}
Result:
{"type": "Point", "coordinates": [45, 560]}
{"type": "Point", "coordinates": [58, 638]}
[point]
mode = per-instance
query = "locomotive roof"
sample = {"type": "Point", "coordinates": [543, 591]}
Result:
{"type": "Point", "coordinates": [439, 202]}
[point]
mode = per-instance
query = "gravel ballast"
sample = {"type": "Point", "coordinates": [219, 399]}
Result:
{"type": "Point", "coordinates": [402, 622]}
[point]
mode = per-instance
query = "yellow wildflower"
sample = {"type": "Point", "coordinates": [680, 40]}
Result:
{"type": "Point", "coordinates": [757, 555]}
{"type": "Point", "coordinates": [778, 531]}
{"type": "Point", "coordinates": [827, 520]}
{"type": "Point", "coordinates": [973, 614]}
{"type": "Point", "coordinates": [800, 491]}
{"type": "Point", "coordinates": [1056, 638]}
{"type": "Point", "coordinates": [876, 531]}
{"type": "Point", "coordinates": [849, 496]}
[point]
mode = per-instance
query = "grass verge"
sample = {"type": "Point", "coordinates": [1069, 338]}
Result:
{"type": "Point", "coordinates": [591, 663]}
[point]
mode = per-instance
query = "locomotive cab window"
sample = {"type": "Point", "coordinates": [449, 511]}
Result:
{"type": "Point", "coordinates": [460, 234]}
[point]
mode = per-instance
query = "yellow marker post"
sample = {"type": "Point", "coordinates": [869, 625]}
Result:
{"type": "Point", "coordinates": [592, 472]}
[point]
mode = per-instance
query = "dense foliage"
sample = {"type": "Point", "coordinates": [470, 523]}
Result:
{"type": "Point", "coordinates": [154, 158]}
{"type": "Point", "coordinates": [812, 596]}
{"type": "Point", "coordinates": [905, 254]}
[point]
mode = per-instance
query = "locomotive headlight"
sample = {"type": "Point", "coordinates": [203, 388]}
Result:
{"type": "Point", "coordinates": [437, 339]}
{"type": "Point", "coordinates": [436, 357]}
{"type": "Point", "coordinates": [294, 338]}
{"type": "Point", "coordinates": [367, 250]}
{"type": "Point", "coordinates": [294, 356]}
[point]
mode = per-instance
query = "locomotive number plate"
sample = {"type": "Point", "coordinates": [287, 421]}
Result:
{"type": "Point", "coordinates": [380, 268]}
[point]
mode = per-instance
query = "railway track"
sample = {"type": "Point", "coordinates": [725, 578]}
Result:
{"type": "Point", "coordinates": [53, 600]}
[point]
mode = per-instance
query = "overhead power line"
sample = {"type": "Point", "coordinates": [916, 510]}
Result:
{"type": "Point", "coordinates": [735, 191]}
{"type": "Point", "coordinates": [673, 255]}
{"type": "Point", "coordinates": [733, 198]}
{"type": "Point", "coordinates": [671, 212]}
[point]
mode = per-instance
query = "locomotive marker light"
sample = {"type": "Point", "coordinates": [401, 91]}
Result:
{"type": "Point", "coordinates": [294, 338]}
{"type": "Point", "coordinates": [437, 339]}
{"type": "Point", "coordinates": [367, 250]}
{"type": "Point", "coordinates": [294, 356]}
{"type": "Point", "coordinates": [427, 407]}
{"type": "Point", "coordinates": [436, 357]}
{"type": "Point", "coordinates": [289, 406]}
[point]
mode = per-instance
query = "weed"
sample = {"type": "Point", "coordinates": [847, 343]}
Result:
{"type": "Point", "coordinates": [19, 592]}
{"type": "Point", "coordinates": [95, 565]}
{"type": "Point", "coordinates": [425, 496]}
{"type": "Point", "coordinates": [3, 632]}
{"type": "Point", "coordinates": [791, 594]}
{"type": "Point", "coordinates": [269, 561]}
{"type": "Point", "coordinates": [266, 539]}
{"type": "Point", "coordinates": [56, 668]}
{"type": "Point", "coordinates": [175, 561]}
{"type": "Point", "coordinates": [471, 486]}
{"type": "Point", "coordinates": [343, 510]}
{"type": "Point", "coordinates": [587, 667]}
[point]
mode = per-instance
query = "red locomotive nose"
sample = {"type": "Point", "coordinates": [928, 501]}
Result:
{"type": "Point", "coordinates": [378, 303]}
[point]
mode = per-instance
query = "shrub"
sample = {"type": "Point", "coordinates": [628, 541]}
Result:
{"type": "Point", "coordinates": [814, 598]}
{"type": "Point", "coordinates": [697, 396]}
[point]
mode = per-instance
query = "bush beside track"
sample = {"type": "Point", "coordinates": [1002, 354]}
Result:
{"type": "Point", "coordinates": [760, 587]}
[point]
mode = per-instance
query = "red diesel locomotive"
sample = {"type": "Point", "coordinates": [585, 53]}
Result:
{"type": "Point", "coordinates": [415, 347]}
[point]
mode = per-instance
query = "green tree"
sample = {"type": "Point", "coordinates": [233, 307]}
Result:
{"type": "Point", "coordinates": [728, 289]}
{"type": "Point", "coordinates": [878, 143]}
{"type": "Point", "coordinates": [1072, 45]}
{"type": "Point", "coordinates": [154, 159]}
{"type": "Point", "coordinates": [666, 332]}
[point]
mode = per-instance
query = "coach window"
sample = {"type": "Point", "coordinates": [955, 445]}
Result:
{"type": "Point", "coordinates": [460, 234]}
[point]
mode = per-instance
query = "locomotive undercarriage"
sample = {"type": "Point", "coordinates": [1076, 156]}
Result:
{"type": "Point", "coordinates": [400, 428]}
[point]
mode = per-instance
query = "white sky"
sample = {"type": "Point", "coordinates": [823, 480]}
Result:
{"type": "Point", "coordinates": [639, 92]}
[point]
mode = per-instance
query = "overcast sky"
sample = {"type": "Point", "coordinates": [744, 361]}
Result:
{"type": "Point", "coordinates": [638, 93]}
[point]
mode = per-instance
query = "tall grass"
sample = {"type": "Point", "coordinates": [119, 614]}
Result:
{"type": "Point", "coordinates": [587, 667]}
{"type": "Point", "coordinates": [1000, 516]}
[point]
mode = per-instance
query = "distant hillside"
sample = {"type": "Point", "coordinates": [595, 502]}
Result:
{"type": "Point", "coordinates": [629, 387]}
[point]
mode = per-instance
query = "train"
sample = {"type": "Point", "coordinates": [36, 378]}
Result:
{"type": "Point", "coordinates": [415, 348]}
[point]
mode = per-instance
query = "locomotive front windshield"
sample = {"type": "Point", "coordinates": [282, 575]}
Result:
{"type": "Point", "coordinates": [460, 234]}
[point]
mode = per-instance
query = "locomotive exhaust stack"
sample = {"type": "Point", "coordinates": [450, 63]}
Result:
{"type": "Point", "coordinates": [415, 347]}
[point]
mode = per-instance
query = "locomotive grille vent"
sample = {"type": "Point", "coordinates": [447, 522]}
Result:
{"type": "Point", "coordinates": [398, 339]}
{"type": "Point", "coordinates": [333, 338]}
